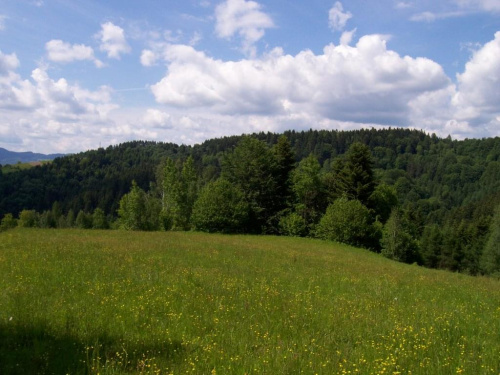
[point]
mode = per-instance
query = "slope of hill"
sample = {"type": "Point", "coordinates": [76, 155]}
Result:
{"type": "Point", "coordinates": [12, 157]}
{"type": "Point", "coordinates": [447, 190]}
{"type": "Point", "coordinates": [117, 302]}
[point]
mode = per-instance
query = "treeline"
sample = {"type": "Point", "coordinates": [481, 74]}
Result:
{"type": "Point", "coordinates": [438, 195]}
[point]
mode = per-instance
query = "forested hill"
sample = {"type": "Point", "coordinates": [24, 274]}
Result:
{"type": "Point", "coordinates": [447, 190]}
{"type": "Point", "coordinates": [435, 173]}
{"type": "Point", "coordinates": [85, 181]}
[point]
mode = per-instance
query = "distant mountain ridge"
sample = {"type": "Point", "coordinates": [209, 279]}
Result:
{"type": "Point", "coordinates": [12, 157]}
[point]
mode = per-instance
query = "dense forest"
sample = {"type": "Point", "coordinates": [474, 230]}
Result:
{"type": "Point", "coordinates": [412, 196]}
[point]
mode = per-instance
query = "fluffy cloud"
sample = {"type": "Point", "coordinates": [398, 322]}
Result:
{"type": "Point", "coordinates": [347, 37]}
{"type": "Point", "coordinates": [49, 114]}
{"type": "Point", "coordinates": [59, 51]}
{"type": "Point", "coordinates": [113, 40]}
{"type": "Point", "coordinates": [62, 102]}
{"type": "Point", "coordinates": [157, 119]}
{"type": "Point", "coordinates": [343, 88]}
{"type": "Point", "coordinates": [244, 18]}
{"type": "Point", "coordinates": [478, 97]}
{"type": "Point", "coordinates": [337, 17]}
{"type": "Point", "coordinates": [367, 83]}
{"type": "Point", "coordinates": [8, 63]}
{"type": "Point", "coordinates": [148, 58]}
{"type": "Point", "coordinates": [14, 92]}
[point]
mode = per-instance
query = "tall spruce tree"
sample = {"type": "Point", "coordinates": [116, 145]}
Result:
{"type": "Point", "coordinates": [490, 259]}
{"type": "Point", "coordinates": [252, 168]}
{"type": "Point", "coordinates": [189, 193]}
{"type": "Point", "coordinates": [353, 176]}
{"type": "Point", "coordinates": [171, 196]}
{"type": "Point", "coordinates": [285, 164]}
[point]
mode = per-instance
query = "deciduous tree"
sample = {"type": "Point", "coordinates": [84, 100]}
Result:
{"type": "Point", "coordinates": [220, 207]}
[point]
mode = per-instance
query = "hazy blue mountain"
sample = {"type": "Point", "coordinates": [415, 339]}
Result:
{"type": "Point", "coordinates": [12, 157]}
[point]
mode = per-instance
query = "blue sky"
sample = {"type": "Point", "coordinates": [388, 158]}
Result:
{"type": "Point", "coordinates": [78, 74]}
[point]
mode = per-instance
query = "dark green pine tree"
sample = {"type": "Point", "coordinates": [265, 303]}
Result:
{"type": "Point", "coordinates": [431, 245]}
{"type": "Point", "coordinates": [252, 168]}
{"type": "Point", "coordinates": [353, 176]}
{"type": "Point", "coordinates": [171, 196]}
{"type": "Point", "coordinates": [490, 259]}
{"type": "Point", "coordinates": [189, 191]}
{"type": "Point", "coordinates": [285, 164]}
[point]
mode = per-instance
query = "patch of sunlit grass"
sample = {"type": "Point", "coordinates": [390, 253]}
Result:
{"type": "Point", "coordinates": [125, 302]}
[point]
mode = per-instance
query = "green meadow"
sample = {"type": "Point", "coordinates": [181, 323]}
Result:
{"type": "Point", "coordinates": [116, 302]}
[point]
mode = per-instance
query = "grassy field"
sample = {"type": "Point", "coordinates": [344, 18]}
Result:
{"type": "Point", "coordinates": [114, 302]}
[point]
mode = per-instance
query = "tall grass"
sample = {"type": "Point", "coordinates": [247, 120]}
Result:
{"type": "Point", "coordinates": [112, 302]}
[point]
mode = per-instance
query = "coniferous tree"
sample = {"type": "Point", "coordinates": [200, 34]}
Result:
{"type": "Point", "coordinates": [252, 168]}
{"type": "Point", "coordinates": [171, 196]}
{"type": "Point", "coordinates": [353, 177]}
{"type": "Point", "coordinates": [285, 164]}
{"type": "Point", "coordinates": [189, 191]}
{"type": "Point", "coordinates": [490, 259]}
{"type": "Point", "coordinates": [431, 246]}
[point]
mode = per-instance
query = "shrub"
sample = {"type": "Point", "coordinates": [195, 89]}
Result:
{"type": "Point", "coordinates": [8, 222]}
{"type": "Point", "coordinates": [293, 225]}
{"type": "Point", "coordinates": [220, 207]}
{"type": "Point", "coordinates": [347, 221]}
{"type": "Point", "coordinates": [28, 219]}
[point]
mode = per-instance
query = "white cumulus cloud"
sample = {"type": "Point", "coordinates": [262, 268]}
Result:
{"type": "Point", "coordinates": [337, 17]}
{"type": "Point", "coordinates": [157, 119]}
{"type": "Point", "coordinates": [244, 18]}
{"type": "Point", "coordinates": [478, 96]}
{"type": "Point", "coordinates": [113, 40]}
{"type": "Point", "coordinates": [62, 52]}
{"type": "Point", "coordinates": [367, 83]}
{"type": "Point", "coordinates": [8, 63]}
{"type": "Point", "coordinates": [148, 57]}
{"type": "Point", "coordinates": [345, 87]}
{"type": "Point", "coordinates": [347, 37]}
{"type": "Point", "coordinates": [47, 114]}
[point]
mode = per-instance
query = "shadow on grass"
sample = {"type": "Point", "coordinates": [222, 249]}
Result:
{"type": "Point", "coordinates": [35, 350]}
